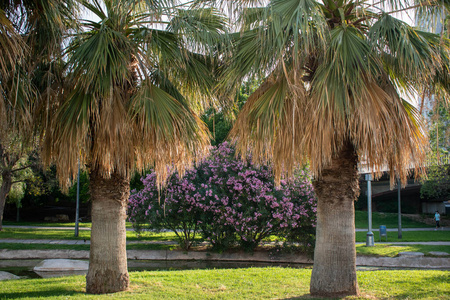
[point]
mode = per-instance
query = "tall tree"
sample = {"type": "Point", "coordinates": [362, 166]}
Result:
{"type": "Point", "coordinates": [31, 35]}
{"type": "Point", "coordinates": [334, 72]}
{"type": "Point", "coordinates": [134, 72]}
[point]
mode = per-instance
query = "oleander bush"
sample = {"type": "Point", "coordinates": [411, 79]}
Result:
{"type": "Point", "coordinates": [228, 202]}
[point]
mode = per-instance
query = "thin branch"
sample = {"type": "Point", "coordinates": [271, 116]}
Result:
{"type": "Point", "coordinates": [18, 181]}
{"type": "Point", "coordinates": [21, 168]}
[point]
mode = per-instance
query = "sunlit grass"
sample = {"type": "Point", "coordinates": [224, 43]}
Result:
{"type": "Point", "coordinates": [407, 236]}
{"type": "Point", "coordinates": [393, 250]}
{"type": "Point", "coordinates": [390, 220]}
{"type": "Point", "coordinates": [20, 233]}
{"type": "Point", "coordinates": [43, 224]}
{"type": "Point", "coordinates": [86, 247]}
{"type": "Point", "coordinates": [248, 283]}
{"type": "Point", "coordinates": [62, 234]}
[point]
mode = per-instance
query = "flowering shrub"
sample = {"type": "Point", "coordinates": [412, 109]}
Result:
{"type": "Point", "coordinates": [229, 201]}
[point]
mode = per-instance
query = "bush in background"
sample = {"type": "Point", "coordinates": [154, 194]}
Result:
{"type": "Point", "coordinates": [229, 202]}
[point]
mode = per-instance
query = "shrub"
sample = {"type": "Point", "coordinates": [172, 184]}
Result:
{"type": "Point", "coordinates": [230, 201]}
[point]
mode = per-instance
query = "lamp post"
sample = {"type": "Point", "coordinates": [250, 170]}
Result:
{"type": "Point", "coordinates": [369, 238]}
{"type": "Point", "coordinates": [77, 209]}
{"type": "Point", "coordinates": [399, 209]}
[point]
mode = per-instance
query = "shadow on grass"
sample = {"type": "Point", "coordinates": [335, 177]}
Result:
{"type": "Point", "coordinates": [51, 292]}
{"type": "Point", "coordinates": [308, 296]}
{"type": "Point", "coordinates": [420, 289]}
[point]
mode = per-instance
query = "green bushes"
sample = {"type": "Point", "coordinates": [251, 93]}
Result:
{"type": "Point", "coordinates": [228, 202]}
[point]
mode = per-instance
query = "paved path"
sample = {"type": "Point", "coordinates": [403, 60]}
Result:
{"type": "Point", "coordinates": [406, 229]}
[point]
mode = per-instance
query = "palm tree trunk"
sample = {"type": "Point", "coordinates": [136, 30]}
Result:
{"type": "Point", "coordinates": [334, 270]}
{"type": "Point", "coordinates": [108, 271]}
{"type": "Point", "coordinates": [4, 191]}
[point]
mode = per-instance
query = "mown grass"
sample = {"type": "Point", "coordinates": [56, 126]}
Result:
{"type": "Point", "coordinates": [20, 233]}
{"type": "Point", "coordinates": [408, 236]}
{"type": "Point", "coordinates": [43, 224]}
{"type": "Point", "coordinates": [46, 224]}
{"type": "Point", "coordinates": [18, 246]}
{"type": "Point", "coordinates": [390, 220]}
{"type": "Point", "coordinates": [62, 234]}
{"type": "Point", "coordinates": [388, 250]}
{"type": "Point", "coordinates": [248, 283]}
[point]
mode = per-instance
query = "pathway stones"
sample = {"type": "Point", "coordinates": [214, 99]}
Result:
{"type": "Point", "coordinates": [61, 267]}
{"type": "Point", "coordinates": [7, 276]}
{"type": "Point", "coordinates": [411, 254]}
{"type": "Point", "coordinates": [438, 253]}
{"type": "Point", "coordinates": [55, 265]}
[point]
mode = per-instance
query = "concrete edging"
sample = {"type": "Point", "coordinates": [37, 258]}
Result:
{"type": "Point", "coordinates": [171, 255]}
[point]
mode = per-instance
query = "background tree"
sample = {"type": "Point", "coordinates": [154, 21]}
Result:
{"type": "Point", "coordinates": [436, 185]}
{"type": "Point", "coordinates": [127, 106]}
{"type": "Point", "coordinates": [334, 72]}
{"type": "Point", "coordinates": [31, 35]}
{"type": "Point", "coordinates": [220, 120]}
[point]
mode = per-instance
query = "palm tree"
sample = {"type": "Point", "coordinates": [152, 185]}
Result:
{"type": "Point", "coordinates": [31, 35]}
{"type": "Point", "coordinates": [334, 73]}
{"type": "Point", "coordinates": [136, 72]}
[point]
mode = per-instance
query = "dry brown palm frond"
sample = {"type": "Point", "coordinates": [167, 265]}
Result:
{"type": "Point", "coordinates": [305, 129]}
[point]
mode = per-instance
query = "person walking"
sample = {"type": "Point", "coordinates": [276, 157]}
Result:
{"type": "Point", "coordinates": [437, 218]}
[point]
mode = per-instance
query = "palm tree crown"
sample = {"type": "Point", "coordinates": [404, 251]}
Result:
{"type": "Point", "coordinates": [133, 76]}
{"type": "Point", "coordinates": [334, 72]}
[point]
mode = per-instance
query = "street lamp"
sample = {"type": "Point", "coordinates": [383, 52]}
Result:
{"type": "Point", "coordinates": [369, 238]}
{"type": "Point", "coordinates": [77, 209]}
{"type": "Point", "coordinates": [399, 209]}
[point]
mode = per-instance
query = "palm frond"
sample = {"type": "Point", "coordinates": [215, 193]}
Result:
{"type": "Point", "coordinates": [408, 54]}
{"type": "Point", "coordinates": [12, 46]}
{"type": "Point", "coordinates": [334, 85]}
{"type": "Point", "coordinates": [167, 133]}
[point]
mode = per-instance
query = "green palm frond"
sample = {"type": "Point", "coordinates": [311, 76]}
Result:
{"type": "Point", "coordinates": [252, 17]}
{"type": "Point", "coordinates": [12, 46]}
{"type": "Point", "coordinates": [135, 78]}
{"type": "Point", "coordinates": [99, 59]}
{"type": "Point", "coordinates": [337, 88]}
{"type": "Point", "coordinates": [303, 20]}
{"type": "Point", "coordinates": [172, 134]}
{"type": "Point", "coordinates": [331, 77]}
{"type": "Point", "coordinates": [408, 54]}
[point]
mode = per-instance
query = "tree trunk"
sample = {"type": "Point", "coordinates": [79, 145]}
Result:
{"type": "Point", "coordinates": [334, 270]}
{"type": "Point", "coordinates": [4, 191]}
{"type": "Point", "coordinates": [108, 272]}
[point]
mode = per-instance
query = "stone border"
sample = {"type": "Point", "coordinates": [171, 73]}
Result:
{"type": "Point", "coordinates": [171, 255]}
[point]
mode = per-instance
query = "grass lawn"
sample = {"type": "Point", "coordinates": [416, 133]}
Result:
{"type": "Point", "coordinates": [20, 233]}
{"type": "Point", "coordinates": [41, 224]}
{"type": "Point", "coordinates": [393, 250]}
{"type": "Point", "coordinates": [248, 283]}
{"type": "Point", "coordinates": [62, 234]}
{"type": "Point", "coordinates": [388, 219]}
{"type": "Point", "coordinates": [408, 236]}
{"type": "Point", "coordinates": [16, 246]}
